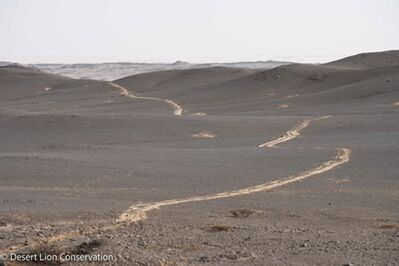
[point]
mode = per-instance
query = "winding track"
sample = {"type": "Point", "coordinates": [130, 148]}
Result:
{"type": "Point", "coordinates": [178, 110]}
{"type": "Point", "coordinates": [139, 212]}
{"type": "Point", "coordinates": [292, 133]}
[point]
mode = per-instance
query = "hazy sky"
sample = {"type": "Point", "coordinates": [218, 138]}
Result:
{"type": "Point", "coordinates": [194, 30]}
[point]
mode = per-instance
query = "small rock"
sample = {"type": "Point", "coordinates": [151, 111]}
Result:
{"type": "Point", "coordinates": [141, 242]}
{"type": "Point", "coordinates": [347, 264]}
{"type": "Point", "coordinates": [203, 258]}
{"type": "Point", "coordinates": [303, 245]}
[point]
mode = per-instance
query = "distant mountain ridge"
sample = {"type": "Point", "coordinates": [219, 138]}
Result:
{"type": "Point", "coordinates": [112, 71]}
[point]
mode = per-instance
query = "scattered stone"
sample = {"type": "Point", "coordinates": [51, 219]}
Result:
{"type": "Point", "coordinates": [203, 258]}
{"type": "Point", "coordinates": [142, 242]}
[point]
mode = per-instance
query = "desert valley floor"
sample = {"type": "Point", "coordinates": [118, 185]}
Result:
{"type": "Point", "coordinates": [294, 165]}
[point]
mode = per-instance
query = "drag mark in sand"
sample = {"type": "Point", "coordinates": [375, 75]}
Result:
{"type": "Point", "coordinates": [139, 212]}
{"type": "Point", "coordinates": [292, 133]}
{"type": "Point", "coordinates": [178, 110]}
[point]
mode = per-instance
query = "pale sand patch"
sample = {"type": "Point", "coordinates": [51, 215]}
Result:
{"type": "Point", "coordinates": [396, 104]}
{"type": "Point", "coordinates": [47, 89]}
{"type": "Point", "coordinates": [283, 106]}
{"type": "Point", "coordinates": [205, 134]}
{"type": "Point", "coordinates": [338, 181]}
{"type": "Point", "coordinates": [199, 113]}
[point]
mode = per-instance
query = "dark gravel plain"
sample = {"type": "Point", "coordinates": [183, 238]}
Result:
{"type": "Point", "coordinates": [75, 154]}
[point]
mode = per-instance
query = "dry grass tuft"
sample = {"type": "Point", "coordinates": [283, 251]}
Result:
{"type": "Point", "coordinates": [388, 226]}
{"type": "Point", "coordinates": [241, 213]}
{"type": "Point", "coordinates": [219, 228]}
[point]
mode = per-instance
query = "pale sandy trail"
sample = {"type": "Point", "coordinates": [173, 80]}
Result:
{"type": "Point", "coordinates": [138, 212]}
{"type": "Point", "coordinates": [178, 110]}
{"type": "Point", "coordinates": [292, 133]}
